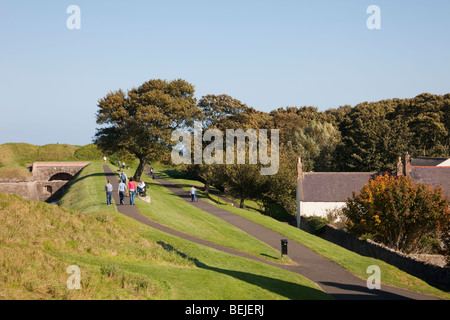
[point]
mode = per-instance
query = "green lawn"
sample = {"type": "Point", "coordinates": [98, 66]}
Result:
{"type": "Point", "coordinates": [172, 211]}
{"type": "Point", "coordinates": [349, 260]}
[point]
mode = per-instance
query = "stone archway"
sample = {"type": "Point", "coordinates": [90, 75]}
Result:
{"type": "Point", "coordinates": [61, 176]}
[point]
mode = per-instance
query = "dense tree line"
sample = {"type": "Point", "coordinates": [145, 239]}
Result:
{"type": "Point", "coordinates": [367, 137]}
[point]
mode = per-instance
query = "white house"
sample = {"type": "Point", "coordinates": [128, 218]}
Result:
{"type": "Point", "coordinates": [320, 192]}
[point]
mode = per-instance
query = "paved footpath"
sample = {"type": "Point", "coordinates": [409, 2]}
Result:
{"type": "Point", "coordinates": [332, 278]}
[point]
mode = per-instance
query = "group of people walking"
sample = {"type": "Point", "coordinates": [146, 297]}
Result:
{"type": "Point", "coordinates": [122, 189]}
{"type": "Point", "coordinates": [133, 189]}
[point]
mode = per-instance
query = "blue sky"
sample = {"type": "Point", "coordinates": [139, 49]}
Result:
{"type": "Point", "coordinates": [268, 54]}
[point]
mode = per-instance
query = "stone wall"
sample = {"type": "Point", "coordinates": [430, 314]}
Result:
{"type": "Point", "coordinates": [33, 190]}
{"type": "Point", "coordinates": [39, 187]}
{"type": "Point", "coordinates": [43, 171]}
{"type": "Point", "coordinates": [24, 188]}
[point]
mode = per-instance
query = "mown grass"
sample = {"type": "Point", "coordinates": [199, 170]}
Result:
{"type": "Point", "coordinates": [120, 258]}
{"type": "Point", "coordinates": [349, 260]}
{"type": "Point", "coordinates": [86, 193]}
{"type": "Point", "coordinates": [216, 196]}
{"type": "Point", "coordinates": [170, 210]}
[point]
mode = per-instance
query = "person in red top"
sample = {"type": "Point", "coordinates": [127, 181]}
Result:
{"type": "Point", "coordinates": [132, 190]}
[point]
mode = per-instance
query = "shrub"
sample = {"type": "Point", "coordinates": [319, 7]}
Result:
{"type": "Point", "coordinates": [398, 212]}
{"type": "Point", "coordinates": [317, 224]}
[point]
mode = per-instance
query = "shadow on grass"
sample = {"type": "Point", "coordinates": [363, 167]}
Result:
{"type": "Point", "coordinates": [283, 288]}
{"type": "Point", "coordinates": [269, 256]}
{"type": "Point", "coordinates": [78, 179]}
{"type": "Point", "coordinates": [67, 187]}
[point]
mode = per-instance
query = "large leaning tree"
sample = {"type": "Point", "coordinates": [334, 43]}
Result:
{"type": "Point", "coordinates": [142, 120]}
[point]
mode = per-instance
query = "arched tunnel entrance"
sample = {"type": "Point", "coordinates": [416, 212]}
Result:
{"type": "Point", "coordinates": [58, 183]}
{"type": "Point", "coordinates": [62, 176]}
{"type": "Point", "coordinates": [49, 181]}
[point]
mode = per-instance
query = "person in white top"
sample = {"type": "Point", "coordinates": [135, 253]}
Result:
{"type": "Point", "coordinates": [193, 193]}
{"type": "Point", "coordinates": [109, 190]}
{"type": "Point", "coordinates": [122, 189]}
{"type": "Point", "coordinates": [141, 186]}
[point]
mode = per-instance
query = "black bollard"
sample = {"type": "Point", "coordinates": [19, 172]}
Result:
{"type": "Point", "coordinates": [284, 247]}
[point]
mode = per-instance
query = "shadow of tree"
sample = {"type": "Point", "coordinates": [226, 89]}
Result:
{"type": "Point", "coordinates": [78, 179]}
{"type": "Point", "coordinates": [365, 293]}
{"type": "Point", "coordinates": [283, 288]}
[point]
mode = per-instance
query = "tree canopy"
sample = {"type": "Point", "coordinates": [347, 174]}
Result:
{"type": "Point", "coordinates": [141, 121]}
{"type": "Point", "coordinates": [368, 137]}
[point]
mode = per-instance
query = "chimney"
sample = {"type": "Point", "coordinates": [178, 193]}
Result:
{"type": "Point", "coordinates": [399, 167]}
{"type": "Point", "coordinates": [407, 165]}
{"type": "Point", "coordinates": [299, 169]}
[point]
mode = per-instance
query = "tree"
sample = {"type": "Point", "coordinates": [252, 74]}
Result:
{"type": "Point", "coordinates": [218, 107]}
{"type": "Point", "coordinates": [281, 188]}
{"type": "Point", "coordinates": [141, 121]}
{"type": "Point", "coordinates": [316, 144]}
{"type": "Point", "coordinates": [290, 119]}
{"type": "Point", "coordinates": [336, 116]}
{"type": "Point", "coordinates": [243, 181]}
{"type": "Point", "coordinates": [397, 212]}
{"type": "Point", "coordinates": [372, 137]}
{"type": "Point", "coordinates": [446, 111]}
{"type": "Point", "coordinates": [215, 110]}
{"type": "Point", "coordinates": [427, 120]}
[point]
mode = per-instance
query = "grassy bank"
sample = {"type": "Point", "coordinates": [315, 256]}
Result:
{"type": "Point", "coordinates": [120, 258]}
{"type": "Point", "coordinates": [172, 211]}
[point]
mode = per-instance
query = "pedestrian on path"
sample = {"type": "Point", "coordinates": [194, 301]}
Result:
{"type": "Point", "coordinates": [123, 177]}
{"type": "Point", "coordinates": [132, 190]}
{"type": "Point", "coordinates": [109, 190]}
{"type": "Point", "coordinates": [152, 173]}
{"type": "Point", "coordinates": [193, 192]}
{"type": "Point", "coordinates": [122, 189]}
